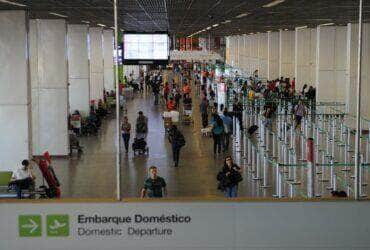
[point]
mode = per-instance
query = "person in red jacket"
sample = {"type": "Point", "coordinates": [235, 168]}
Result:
{"type": "Point", "coordinates": [166, 91]}
{"type": "Point", "coordinates": [171, 104]}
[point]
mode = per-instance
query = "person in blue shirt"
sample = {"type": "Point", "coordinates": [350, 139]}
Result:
{"type": "Point", "coordinates": [228, 127]}
{"type": "Point", "coordinates": [217, 131]}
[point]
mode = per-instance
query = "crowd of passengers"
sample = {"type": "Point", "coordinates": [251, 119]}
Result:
{"type": "Point", "coordinates": [217, 118]}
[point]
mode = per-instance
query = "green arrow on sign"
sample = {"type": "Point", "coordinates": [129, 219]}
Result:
{"type": "Point", "coordinates": [29, 225]}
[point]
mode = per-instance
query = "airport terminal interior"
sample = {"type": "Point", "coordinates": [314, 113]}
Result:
{"type": "Point", "coordinates": [280, 87]}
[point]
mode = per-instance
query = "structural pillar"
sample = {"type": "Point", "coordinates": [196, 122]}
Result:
{"type": "Point", "coordinates": [273, 55]}
{"type": "Point", "coordinates": [15, 117]}
{"type": "Point", "coordinates": [96, 64]}
{"type": "Point", "coordinates": [305, 57]}
{"type": "Point", "coordinates": [254, 63]}
{"type": "Point", "coordinates": [78, 69]}
{"type": "Point", "coordinates": [331, 60]}
{"type": "Point", "coordinates": [247, 48]}
{"type": "Point", "coordinates": [286, 51]}
{"type": "Point", "coordinates": [262, 54]}
{"type": "Point", "coordinates": [108, 60]}
{"type": "Point", "coordinates": [351, 81]}
{"type": "Point", "coordinates": [49, 76]}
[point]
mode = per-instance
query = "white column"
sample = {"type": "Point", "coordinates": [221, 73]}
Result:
{"type": "Point", "coordinates": [254, 52]}
{"type": "Point", "coordinates": [78, 69]}
{"type": "Point", "coordinates": [228, 52]}
{"type": "Point", "coordinates": [15, 127]}
{"type": "Point", "coordinates": [331, 63]}
{"type": "Point", "coordinates": [305, 57]}
{"type": "Point", "coordinates": [352, 47]}
{"type": "Point", "coordinates": [108, 60]}
{"type": "Point", "coordinates": [96, 64]}
{"type": "Point", "coordinates": [247, 45]}
{"type": "Point", "coordinates": [49, 75]}
{"type": "Point", "coordinates": [273, 56]}
{"type": "Point", "coordinates": [262, 54]}
{"type": "Point", "coordinates": [286, 49]}
{"type": "Point", "coordinates": [237, 51]}
{"type": "Point", "coordinates": [241, 52]}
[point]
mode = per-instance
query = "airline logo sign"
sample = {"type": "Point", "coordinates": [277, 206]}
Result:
{"type": "Point", "coordinates": [31, 225]}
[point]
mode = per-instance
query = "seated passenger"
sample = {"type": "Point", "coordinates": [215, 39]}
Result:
{"type": "Point", "coordinates": [23, 178]}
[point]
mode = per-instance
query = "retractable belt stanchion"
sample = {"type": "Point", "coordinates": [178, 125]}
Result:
{"type": "Point", "coordinates": [310, 168]}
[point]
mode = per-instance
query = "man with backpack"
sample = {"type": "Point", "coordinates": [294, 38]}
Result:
{"type": "Point", "coordinates": [177, 140]}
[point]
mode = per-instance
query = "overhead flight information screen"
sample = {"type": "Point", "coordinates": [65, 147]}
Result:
{"type": "Point", "coordinates": [152, 47]}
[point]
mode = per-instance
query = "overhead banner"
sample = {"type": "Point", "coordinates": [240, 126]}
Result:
{"type": "Point", "coordinates": [165, 226]}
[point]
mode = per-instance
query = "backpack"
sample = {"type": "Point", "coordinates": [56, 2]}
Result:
{"type": "Point", "coordinates": [180, 139]}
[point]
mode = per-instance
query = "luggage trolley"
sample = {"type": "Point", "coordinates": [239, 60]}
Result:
{"type": "Point", "coordinates": [187, 117]}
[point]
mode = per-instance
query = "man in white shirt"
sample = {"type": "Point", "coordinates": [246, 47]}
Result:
{"type": "Point", "coordinates": [23, 178]}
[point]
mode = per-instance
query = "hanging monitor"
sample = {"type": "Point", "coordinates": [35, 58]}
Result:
{"type": "Point", "coordinates": [144, 48]}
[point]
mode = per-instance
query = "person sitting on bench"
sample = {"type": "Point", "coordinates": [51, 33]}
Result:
{"type": "Point", "coordinates": [23, 178]}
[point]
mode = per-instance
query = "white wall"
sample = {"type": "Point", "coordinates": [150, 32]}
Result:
{"type": "Point", "coordinates": [15, 117]}
{"type": "Point", "coordinates": [247, 48]}
{"type": "Point", "coordinates": [254, 62]}
{"type": "Point", "coordinates": [262, 54]}
{"type": "Point", "coordinates": [78, 68]}
{"type": "Point", "coordinates": [305, 57]}
{"type": "Point", "coordinates": [331, 63]}
{"type": "Point", "coordinates": [49, 75]}
{"type": "Point", "coordinates": [108, 47]}
{"type": "Point", "coordinates": [287, 49]}
{"type": "Point", "coordinates": [273, 55]}
{"type": "Point", "coordinates": [96, 64]}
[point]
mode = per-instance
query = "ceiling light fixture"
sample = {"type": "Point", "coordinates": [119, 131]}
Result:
{"type": "Point", "coordinates": [326, 24]}
{"type": "Point", "coordinates": [242, 15]}
{"type": "Point", "coordinates": [83, 21]}
{"type": "Point", "coordinates": [13, 3]}
{"type": "Point", "coordinates": [227, 21]}
{"type": "Point", "coordinates": [101, 25]}
{"type": "Point", "coordinates": [56, 14]}
{"type": "Point", "coordinates": [273, 3]}
{"type": "Point", "coordinates": [215, 25]}
{"type": "Point", "coordinates": [208, 28]}
{"type": "Point", "coordinates": [285, 29]}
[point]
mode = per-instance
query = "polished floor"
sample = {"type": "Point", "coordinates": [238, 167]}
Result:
{"type": "Point", "coordinates": [92, 175]}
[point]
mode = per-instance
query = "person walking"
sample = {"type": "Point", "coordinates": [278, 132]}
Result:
{"type": "Point", "coordinates": [204, 112]}
{"type": "Point", "coordinates": [141, 126]}
{"type": "Point", "coordinates": [177, 140]}
{"type": "Point", "coordinates": [155, 89]}
{"type": "Point", "coordinates": [299, 112]}
{"type": "Point", "coordinates": [154, 186]}
{"type": "Point", "coordinates": [217, 131]}
{"type": "Point", "coordinates": [126, 130]}
{"type": "Point", "coordinates": [228, 127]}
{"type": "Point", "coordinates": [229, 178]}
